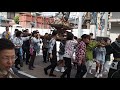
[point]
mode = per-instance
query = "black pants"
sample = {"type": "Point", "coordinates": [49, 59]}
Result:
{"type": "Point", "coordinates": [26, 50]}
{"type": "Point", "coordinates": [81, 70]}
{"type": "Point", "coordinates": [114, 73]}
{"type": "Point", "coordinates": [32, 59]}
{"type": "Point", "coordinates": [68, 67]}
{"type": "Point", "coordinates": [52, 65]}
{"type": "Point", "coordinates": [45, 50]}
{"type": "Point", "coordinates": [19, 60]}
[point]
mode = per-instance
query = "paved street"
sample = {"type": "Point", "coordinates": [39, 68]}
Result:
{"type": "Point", "coordinates": [39, 70]}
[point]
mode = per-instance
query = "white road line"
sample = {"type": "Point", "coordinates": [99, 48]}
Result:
{"type": "Point", "coordinates": [28, 75]}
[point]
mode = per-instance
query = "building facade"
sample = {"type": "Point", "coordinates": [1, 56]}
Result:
{"type": "Point", "coordinates": [27, 20]}
{"type": "Point", "coordinates": [86, 19]}
{"type": "Point", "coordinates": [5, 18]}
{"type": "Point", "coordinates": [115, 25]}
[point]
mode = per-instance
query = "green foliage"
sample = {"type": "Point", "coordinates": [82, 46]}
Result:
{"type": "Point", "coordinates": [16, 19]}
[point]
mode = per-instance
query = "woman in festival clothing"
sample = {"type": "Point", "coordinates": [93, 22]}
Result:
{"type": "Point", "coordinates": [100, 58]}
{"type": "Point", "coordinates": [81, 56]}
{"type": "Point", "coordinates": [34, 40]}
{"type": "Point", "coordinates": [89, 55]}
{"type": "Point", "coordinates": [38, 44]}
{"type": "Point", "coordinates": [68, 56]}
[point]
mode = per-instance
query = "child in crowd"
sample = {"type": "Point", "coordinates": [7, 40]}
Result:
{"type": "Point", "coordinates": [100, 58]}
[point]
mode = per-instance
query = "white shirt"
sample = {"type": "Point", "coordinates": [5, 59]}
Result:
{"type": "Point", "coordinates": [33, 41]}
{"type": "Point", "coordinates": [69, 48]}
{"type": "Point", "coordinates": [19, 41]}
{"type": "Point", "coordinates": [51, 45]}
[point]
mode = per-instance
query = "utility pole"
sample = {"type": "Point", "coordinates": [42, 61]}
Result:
{"type": "Point", "coordinates": [106, 24]}
{"type": "Point", "coordinates": [80, 25]}
{"type": "Point", "coordinates": [35, 20]}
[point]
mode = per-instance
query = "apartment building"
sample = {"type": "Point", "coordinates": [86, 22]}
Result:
{"type": "Point", "coordinates": [115, 25]}
{"type": "Point", "coordinates": [27, 20]}
{"type": "Point", "coordinates": [5, 18]}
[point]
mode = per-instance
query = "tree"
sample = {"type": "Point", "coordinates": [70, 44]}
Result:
{"type": "Point", "coordinates": [16, 19]}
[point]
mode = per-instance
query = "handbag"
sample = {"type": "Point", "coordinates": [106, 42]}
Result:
{"type": "Point", "coordinates": [31, 51]}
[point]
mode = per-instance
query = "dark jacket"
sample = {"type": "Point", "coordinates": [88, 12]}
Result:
{"type": "Point", "coordinates": [114, 49]}
{"type": "Point", "coordinates": [62, 47]}
{"type": "Point", "coordinates": [107, 57]}
{"type": "Point", "coordinates": [26, 44]}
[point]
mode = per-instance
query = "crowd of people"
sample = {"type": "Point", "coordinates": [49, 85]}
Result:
{"type": "Point", "coordinates": [27, 45]}
{"type": "Point", "coordinates": [82, 52]}
{"type": "Point", "coordinates": [86, 50]}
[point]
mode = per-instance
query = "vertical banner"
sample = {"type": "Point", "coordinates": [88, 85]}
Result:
{"type": "Point", "coordinates": [103, 24]}
{"type": "Point", "coordinates": [94, 23]}
{"type": "Point", "coordinates": [98, 21]}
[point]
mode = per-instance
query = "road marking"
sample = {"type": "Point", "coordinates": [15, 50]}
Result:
{"type": "Point", "coordinates": [28, 75]}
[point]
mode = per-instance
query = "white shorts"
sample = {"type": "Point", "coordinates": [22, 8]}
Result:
{"type": "Point", "coordinates": [89, 63]}
{"type": "Point", "coordinates": [61, 57]}
{"type": "Point", "coordinates": [100, 62]}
